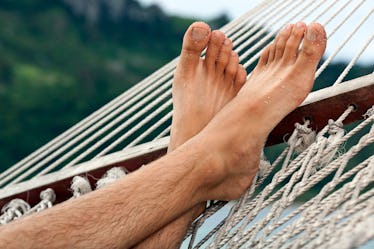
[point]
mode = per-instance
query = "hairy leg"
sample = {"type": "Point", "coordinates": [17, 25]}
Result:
{"type": "Point", "coordinates": [279, 83]}
{"type": "Point", "coordinates": [217, 163]}
{"type": "Point", "coordinates": [201, 88]}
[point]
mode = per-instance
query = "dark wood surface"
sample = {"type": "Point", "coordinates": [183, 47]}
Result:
{"type": "Point", "coordinates": [62, 190]}
{"type": "Point", "coordinates": [318, 112]}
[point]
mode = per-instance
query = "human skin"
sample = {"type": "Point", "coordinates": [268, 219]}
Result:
{"type": "Point", "coordinates": [218, 163]}
{"type": "Point", "coordinates": [201, 87]}
{"type": "Point", "coordinates": [197, 103]}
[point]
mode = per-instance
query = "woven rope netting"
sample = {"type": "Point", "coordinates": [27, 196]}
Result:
{"type": "Point", "coordinates": [143, 113]}
{"type": "Point", "coordinates": [286, 212]}
{"type": "Point", "coordinates": [328, 175]}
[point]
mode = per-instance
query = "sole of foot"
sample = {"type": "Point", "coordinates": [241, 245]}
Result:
{"type": "Point", "coordinates": [202, 86]}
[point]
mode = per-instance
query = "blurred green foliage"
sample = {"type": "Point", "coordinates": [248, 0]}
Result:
{"type": "Point", "coordinates": [58, 66]}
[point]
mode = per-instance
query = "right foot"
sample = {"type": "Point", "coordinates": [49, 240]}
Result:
{"type": "Point", "coordinates": [202, 87]}
{"type": "Point", "coordinates": [281, 81]}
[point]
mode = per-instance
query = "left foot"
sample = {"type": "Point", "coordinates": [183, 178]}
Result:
{"type": "Point", "coordinates": [202, 87]}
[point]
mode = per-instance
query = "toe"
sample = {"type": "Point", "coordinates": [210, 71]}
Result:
{"type": "Point", "coordinates": [232, 67]}
{"type": "Point", "coordinates": [240, 78]}
{"type": "Point", "coordinates": [224, 56]}
{"type": "Point", "coordinates": [271, 52]}
{"type": "Point", "coordinates": [293, 43]}
{"type": "Point", "coordinates": [313, 47]}
{"type": "Point", "coordinates": [194, 42]}
{"type": "Point", "coordinates": [280, 41]}
{"type": "Point", "coordinates": [264, 57]}
{"type": "Point", "coordinates": [215, 43]}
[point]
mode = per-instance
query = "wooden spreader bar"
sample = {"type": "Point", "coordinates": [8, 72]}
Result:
{"type": "Point", "coordinates": [328, 103]}
{"type": "Point", "coordinates": [319, 107]}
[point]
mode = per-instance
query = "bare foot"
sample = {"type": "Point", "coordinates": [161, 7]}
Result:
{"type": "Point", "coordinates": [285, 74]}
{"type": "Point", "coordinates": [202, 87]}
{"type": "Point", "coordinates": [280, 82]}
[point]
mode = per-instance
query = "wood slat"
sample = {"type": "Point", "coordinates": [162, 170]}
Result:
{"type": "Point", "coordinates": [319, 107]}
{"type": "Point", "coordinates": [60, 181]}
{"type": "Point", "coordinates": [328, 103]}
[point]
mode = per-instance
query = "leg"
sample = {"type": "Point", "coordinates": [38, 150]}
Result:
{"type": "Point", "coordinates": [217, 163]}
{"type": "Point", "coordinates": [201, 88]}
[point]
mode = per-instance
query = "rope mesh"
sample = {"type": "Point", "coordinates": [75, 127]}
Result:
{"type": "Point", "coordinates": [263, 217]}
{"type": "Point", "coordinates": [110, 128]}
{"type": "Point", "coordinates": [266, 216]}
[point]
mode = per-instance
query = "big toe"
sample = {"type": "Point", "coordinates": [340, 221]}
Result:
{"type": "Point", "coordinates": [313, 47]}
{"type": "Point", "coordinates": [194, 42]}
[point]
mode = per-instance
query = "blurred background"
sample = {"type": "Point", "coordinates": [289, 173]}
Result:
{"type": "Point", "coordinates": [61, 60]}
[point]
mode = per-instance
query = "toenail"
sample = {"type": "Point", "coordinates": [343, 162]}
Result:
{"type": "Point", "coordinates": [287, 27]}
{"type": "Point", "coordinates": [299, 25]}
{"type": "Point", "coordinates": [198, 34]}
{"type": "Point", "coordinates": [227, 42]}
{"type": "Point", "coordinates": [311, 34]}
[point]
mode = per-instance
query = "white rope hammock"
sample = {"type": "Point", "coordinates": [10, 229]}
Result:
{"type": "Point", "coordinates": [315, 218]}
{"type": "Point", "coordinates": [121, 123]}
{"type": "Point", "coordinates": [342, 213]}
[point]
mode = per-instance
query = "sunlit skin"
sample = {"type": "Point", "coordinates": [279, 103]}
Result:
{"type": "Point", "coordinates": [201, 87]}
{"type": "Point", "coordinates": [218, 162]}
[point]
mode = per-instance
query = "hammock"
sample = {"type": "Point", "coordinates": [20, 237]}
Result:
{"type": "Point", "coordinates": [133, 130]}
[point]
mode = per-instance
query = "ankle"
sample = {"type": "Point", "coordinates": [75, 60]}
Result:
{"type": "Point", "coordinates": [179, 137]}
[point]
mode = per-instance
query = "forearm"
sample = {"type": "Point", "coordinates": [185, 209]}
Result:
{"type": "Point", "coordinates": [117, 216]}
